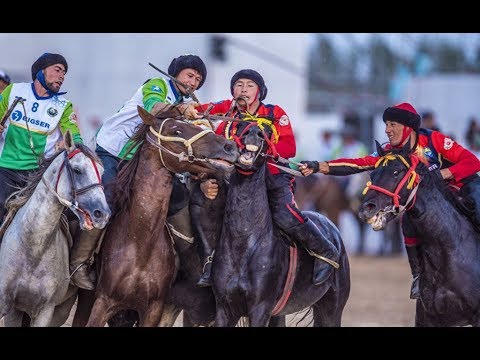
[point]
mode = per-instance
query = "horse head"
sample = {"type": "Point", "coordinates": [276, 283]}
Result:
{"type": "Point", "coordinates": [186, 147]}
{"type": "Point", "coordinates": [253, 140]}
{"type": "Point", "coordinates": [394, 183]}
{"type": "Point", "coordinates": [77, 183]}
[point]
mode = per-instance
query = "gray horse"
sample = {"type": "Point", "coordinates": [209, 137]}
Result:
{"type": "Point", "coordinates": [34, 253]}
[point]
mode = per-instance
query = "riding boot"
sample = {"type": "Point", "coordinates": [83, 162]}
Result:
{"type": "Point", "coordinates": [80, 254]}
{"type": "Point", "coordinates": [414, 260]}
{"type": "Point", "coordinates": [317, 245]}
{"type": "Point", "coordinates": [207, 269]}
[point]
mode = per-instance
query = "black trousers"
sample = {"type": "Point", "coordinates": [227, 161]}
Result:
{"type": "Point", "coordinates": [10, 180]}
{"type": "Point", "coordinates": [281, 189]}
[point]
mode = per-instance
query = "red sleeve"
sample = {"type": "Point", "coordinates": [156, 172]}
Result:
{"type": "Point", "coordinates": [219, 107]}
{"type": "Point", "coordinates": [286, 146]}
{"type": "Point", "coordinates": [351, 166]}
{"type": "Point", "coordinates": [465, 162]}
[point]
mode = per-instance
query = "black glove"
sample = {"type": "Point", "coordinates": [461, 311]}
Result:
{"type": "Point", "coordinates": [314, 165]}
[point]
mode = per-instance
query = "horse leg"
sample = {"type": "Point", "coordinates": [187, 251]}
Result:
{"type": "Point", "coordinates": [223, 318]}
{"type": "Point", "coordinates": [259, 316]}
{"type": "Point", "coordinates": [124, 318]}
{"type": "Point", "coordinates": [326, 311]}
{"type": "Point", "coordinates": [85, 301]}
{"type": "Point", "coordinates": [62, 311]}
{"type": "Point", "coordinates": [152, 316]}
{"type": "Point", "coordinates": [421, 316]}
{"type": "Point", "coordinates": [170, 314]}
{"type": "Point", "coordinates": [13, 319]}
{"type": "Point", "coordinates": [102, 311]}
{"type": "Point", "coordinates": [278, 321]}
{"type": "Point", "coordinates": [43, 317]}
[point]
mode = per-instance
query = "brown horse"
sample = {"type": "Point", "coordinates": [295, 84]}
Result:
{"type": "Point", "coordinates": [137, 259]}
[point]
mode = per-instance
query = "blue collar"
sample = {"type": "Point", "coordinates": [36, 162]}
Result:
{"type": "Point", "coordinates": [178, 96]}
{"type": "Point", "coordinates": [50, 93]}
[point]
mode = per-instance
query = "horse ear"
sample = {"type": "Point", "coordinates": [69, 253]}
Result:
{"type": "Point", "coordinates": [145, 115]}
{"type": "Point", "coordinates": [68, 139]}
{"type": "Point", "coordinates": [380, 150]}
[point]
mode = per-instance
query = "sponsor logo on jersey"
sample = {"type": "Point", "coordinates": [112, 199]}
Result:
{"type": "Point", "coordinates": [156, 88]}
{"type": "Point", "coordinates": [18, 115]}
{"type": "Point", "coordinates": [284, 120]}
{"type": "Point", "coordinates": [447, 143]}
{"type": "Point", "coordinates": [433, 167]}
{"type": "Point", "coordinates": [73, 118]}
{"type": "Point", "coordinates": [60, 103]}
{"type": "Point", "coordinates": [52, 112]}
{"type": "Point", "coordinates": [428, 152]}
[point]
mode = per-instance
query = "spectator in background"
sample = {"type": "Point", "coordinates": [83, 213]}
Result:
{"type": "Point", "coordinates": [4, 80]}
{"type": "Point", "coordinates": [429, 121]}
{"type": "Point", "coordinates": [328, 142]}
{"type": "Point", "coordinates": [473, 135]}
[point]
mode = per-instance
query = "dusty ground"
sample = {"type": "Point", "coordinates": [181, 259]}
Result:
{"type": "Point", "coordinates": [379, 294]}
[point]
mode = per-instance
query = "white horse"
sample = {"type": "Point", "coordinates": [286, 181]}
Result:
{"type": "Point", "coordinates": [34, 253]}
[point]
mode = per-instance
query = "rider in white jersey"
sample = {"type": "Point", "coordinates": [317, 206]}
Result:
{"type": "Point", "coordinates": [113, 142]}
{"type": "Point", "coordinates": [35, 125]}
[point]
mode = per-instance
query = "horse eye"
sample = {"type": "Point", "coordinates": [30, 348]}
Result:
{"type": "Point", "coordinates": [77, 170]}
{"type": "Point", "coordinates": [395, 173]}
{"type": "Point", "coordinates": [178, 132]}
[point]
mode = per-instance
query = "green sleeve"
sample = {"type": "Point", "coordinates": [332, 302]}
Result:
{"type": "Point", "coordinates": [4, 100]}
{"type": "Point", "coordinates": [68, 121]}
{"type": "Point", "coordinates": [154, 91]}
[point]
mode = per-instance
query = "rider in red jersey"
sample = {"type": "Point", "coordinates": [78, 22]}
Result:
{"type": "Point", "coordinates": [248, 89]}
{"type": "Point", "coordinates": [458, 166]}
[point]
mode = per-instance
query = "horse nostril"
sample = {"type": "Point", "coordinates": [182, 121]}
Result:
{"type": "Point", "coordinates": [97, 214]}
{"type": "Point", "coordinates": [369, 207]}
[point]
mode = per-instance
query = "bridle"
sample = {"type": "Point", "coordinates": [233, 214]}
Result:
{"type": "Point", "coordinates": [73, 204]}
{"type": "Point", "coordinates": [411, 178]}
{"type": "Point", "coordinates": [157, 137]}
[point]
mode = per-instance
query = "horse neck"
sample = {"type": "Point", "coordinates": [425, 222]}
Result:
{"type": "Point", "coordinates": [39, 217]}
{"type": "Point", "coordinates": [150, 197]}
{"type": "Point", "coordinates": [438, 222]}
{"type": "Point", "coordinates": [247, 217]}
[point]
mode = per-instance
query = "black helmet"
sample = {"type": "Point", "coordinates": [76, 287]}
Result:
{"type": "Point", "coordinates": [46, 60]}
{"type": "Point", "coordinates": [404, 114]}
{"type": "Point", "coordinates": [188, 62]}
{"type": "Point", "coordinates": [251, 75]}
{"type": "Point", "coordinates": [4, 77]}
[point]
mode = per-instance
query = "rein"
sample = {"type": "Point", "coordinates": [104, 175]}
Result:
{"type": "Point", "coordinates": [157, 142]}
{"type": "Point", "coordinates": [66, 163]}
{"type": "Point", "coordinates": [411, 176]}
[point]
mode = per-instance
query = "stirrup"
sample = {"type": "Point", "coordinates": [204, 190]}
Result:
{"type": "Point", "coordinates": [209, 260]}
{"type": "Point", "coordinates": [77, 268]}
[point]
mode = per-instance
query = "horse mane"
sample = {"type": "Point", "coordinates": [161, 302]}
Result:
{"type": "Point", "coordinates": [434, 178]}
{"type": "Point", "coordinates": [124, 182]}
{"type": "Point", "coordinates": [19, 198]}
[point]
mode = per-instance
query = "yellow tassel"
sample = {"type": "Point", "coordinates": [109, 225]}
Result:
{"type": "Point", "coordinates": [366, 188]}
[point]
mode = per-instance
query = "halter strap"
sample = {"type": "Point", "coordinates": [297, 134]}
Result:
{"type": "Point", "coordinates": [157, 137]}
{"type": "Point", "coordinates": [411, 176]}
{"type": "Point", "coordinates": [66, 163]}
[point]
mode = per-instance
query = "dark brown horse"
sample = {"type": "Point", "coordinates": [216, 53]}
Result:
{"type": "Point", "coordinates": [137, 259]}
